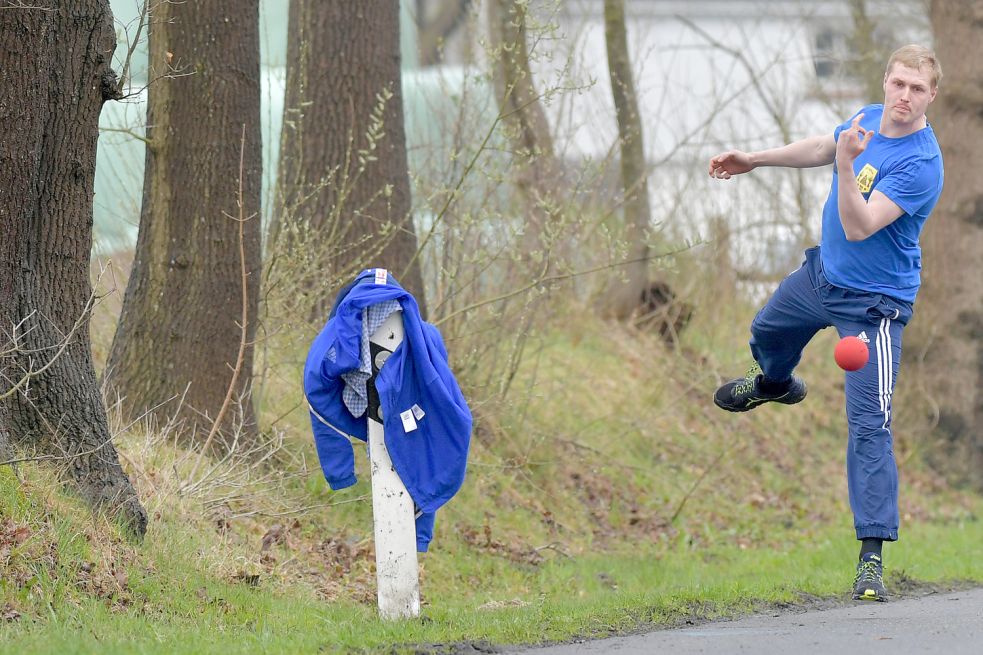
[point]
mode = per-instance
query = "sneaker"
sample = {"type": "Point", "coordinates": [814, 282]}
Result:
{"type": "Point", "coordinates": [742, 394]}
{"type": "Point", "coordinates": [869, 583]}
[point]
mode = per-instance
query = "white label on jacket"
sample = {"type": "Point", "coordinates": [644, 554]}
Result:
{"type": "Point", "coordinates": [409, 423]}
{"type": "Point", "coordinates": [417, 412]}
{"type": "Point", "coordinates": [381, 276]}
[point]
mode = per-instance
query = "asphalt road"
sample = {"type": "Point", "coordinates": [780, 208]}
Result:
{"type": "Point", "coordinates": [950, 623]}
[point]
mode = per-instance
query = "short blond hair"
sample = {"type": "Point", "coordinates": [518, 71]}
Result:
{"type": "Point", "coordinates": [916, 56]}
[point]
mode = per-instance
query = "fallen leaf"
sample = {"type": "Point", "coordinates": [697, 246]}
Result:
{"type": "Point", "coordinates": [22, 534]}
{"type": "Point", "coordinates": [273, 536]}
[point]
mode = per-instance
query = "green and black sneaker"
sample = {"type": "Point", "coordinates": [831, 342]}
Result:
{"type": "Point", "coordinates": [869, 583]}
{"type": "Point", "coordinates": [743, 394]}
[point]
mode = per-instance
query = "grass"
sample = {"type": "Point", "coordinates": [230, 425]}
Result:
{"type": "Point", "coordinates": [176, 602]}
{"type": "Point", "coordinates": [604, 494]}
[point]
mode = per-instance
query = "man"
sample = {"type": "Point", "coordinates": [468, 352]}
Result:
{"type": "Point", "coordinates": [862, 279]}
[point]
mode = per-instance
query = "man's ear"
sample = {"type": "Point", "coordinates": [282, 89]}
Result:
{"type": "Point", "coordinates": [935, 91]}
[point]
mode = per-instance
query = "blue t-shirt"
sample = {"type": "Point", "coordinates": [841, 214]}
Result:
{"type": "Point", "coordinates": [908, 170]}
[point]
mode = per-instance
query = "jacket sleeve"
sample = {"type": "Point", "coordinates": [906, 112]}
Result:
{"type": "Point", "coordinates": [334, 451]}
{"type": "Point", "coordinates": [424, 530]}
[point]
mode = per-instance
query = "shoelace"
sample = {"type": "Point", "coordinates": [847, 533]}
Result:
{"type": "Point", "coordinates": [748, 384]}
{"type": "Point", "coordinates": [868, 573]}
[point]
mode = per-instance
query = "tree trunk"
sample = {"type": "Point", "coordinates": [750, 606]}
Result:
{"type": "Point", "coordinates": [54, 80]}
{"type": "Point", "coordinates": [950, 332]}
{"type": "Point", "coordinates": [180, 328]}
{"type": "Point", "coordinates": [433, 32]}
{"type": "Point", "coordinates": [344, 187]}
{"type": "Point", "coordinates": [536, 169]}
{"type": "Point", "coordinates": [625, 298]}
{"type": "Point", "coordinates": [869, 54]}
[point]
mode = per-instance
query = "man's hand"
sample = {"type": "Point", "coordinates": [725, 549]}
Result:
{"type": "Point", "coordinates": [732, 162]}
{"type": "Point", "coordinates": [852, 142]}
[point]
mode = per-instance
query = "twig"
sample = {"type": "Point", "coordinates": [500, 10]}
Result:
{"type": "Point", "coordinates": [128, 132]}
{"type": "Point", "coordinates": [554, 546]}
{"type": "Point", "coordinates": [699, 480]}
{"type": "Point", "coordinates": [301, 510]}
{"type": "Point", "coordinates": [559, 277]}
{"type": "Point", "coordinates": [19, 4]}
{"type": "Point", "coordinates": [49, 458]}
{"type": "Point", "coordinates": [133, 46]}
{"type": "Point", "coordinates": [66, 340]}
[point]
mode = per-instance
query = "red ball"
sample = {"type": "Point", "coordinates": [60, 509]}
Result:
{"type": "Point", "coordinates": [851, 354]}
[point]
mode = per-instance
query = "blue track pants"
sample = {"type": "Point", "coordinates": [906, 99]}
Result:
{"type": "Point", "coordinates": [804, 303]}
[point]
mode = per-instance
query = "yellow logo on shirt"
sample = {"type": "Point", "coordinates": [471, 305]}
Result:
{"type": "Point", "coordinates": [865, 178]}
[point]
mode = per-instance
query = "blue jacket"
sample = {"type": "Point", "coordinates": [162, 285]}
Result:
{"type": "Point", "coordinates": [431, 459]}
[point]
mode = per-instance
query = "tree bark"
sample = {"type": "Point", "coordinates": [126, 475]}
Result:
{"type": "Point", "coordinates": [54, 80]}
{"type": "Point", "coordinates": [950, 334]}
{"type": "Point", "coordinates": [625, 298]}
{"type": "Point", "coordinates": [343, 176]}
{"type": "Point", "coordinates": [180, 328]}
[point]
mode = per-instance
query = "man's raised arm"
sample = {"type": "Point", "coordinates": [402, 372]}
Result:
{"type": "Point", "coordinates": [806, 153]}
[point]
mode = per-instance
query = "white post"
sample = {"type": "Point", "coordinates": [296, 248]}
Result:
{"type": "Point", "coordinates": [397, 571]}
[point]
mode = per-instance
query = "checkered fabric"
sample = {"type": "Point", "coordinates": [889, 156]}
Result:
{"type": "Point", "coordinates": [355, 394]}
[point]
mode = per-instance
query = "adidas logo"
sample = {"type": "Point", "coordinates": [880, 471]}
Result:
{"type": "Point", "coordinates": [863, 337]}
